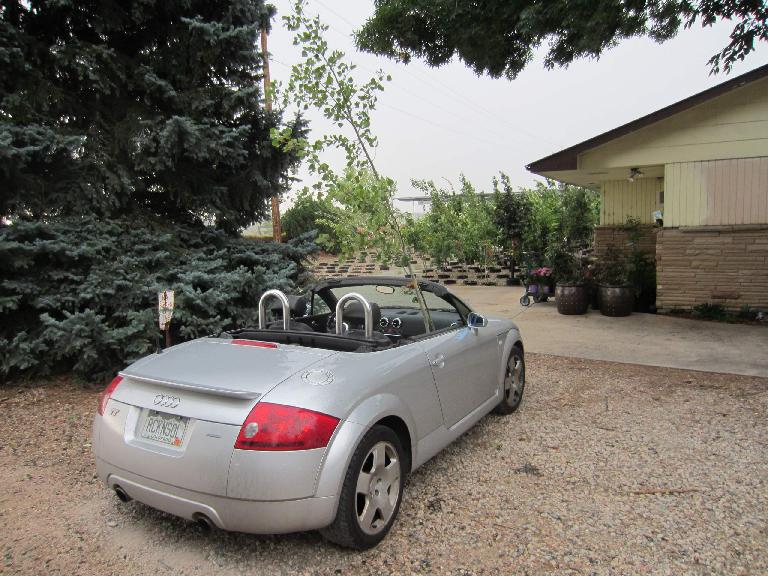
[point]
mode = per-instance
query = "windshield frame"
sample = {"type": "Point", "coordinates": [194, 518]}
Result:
{"type": "Point", "coordinates": [325, 292]}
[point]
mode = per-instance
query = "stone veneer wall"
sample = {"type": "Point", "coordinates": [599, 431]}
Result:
{"type": "Point", "coordinates": [725, 265]}
{"type": "Point", "coordinates": [607, 235]}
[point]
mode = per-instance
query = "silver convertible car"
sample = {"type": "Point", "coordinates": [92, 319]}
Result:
{"type": "Point", "coordinates": [312, 421]}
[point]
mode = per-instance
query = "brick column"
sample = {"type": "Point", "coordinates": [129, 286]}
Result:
{"type": "Point", "coordinates": [607, 235]}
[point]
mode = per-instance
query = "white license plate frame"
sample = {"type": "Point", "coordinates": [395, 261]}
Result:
{"type": "Point", "coordinates": [163, 428]}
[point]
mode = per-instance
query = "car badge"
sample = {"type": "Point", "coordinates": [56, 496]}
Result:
{"type": "Point", "coordinates": [166, 401]}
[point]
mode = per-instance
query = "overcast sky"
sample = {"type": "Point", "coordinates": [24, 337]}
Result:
{"type": "Point", "coordinates": [436, 123]}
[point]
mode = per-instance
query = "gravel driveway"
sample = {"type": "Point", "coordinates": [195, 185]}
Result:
{"type": "Point", "coordinates": [607, 469]}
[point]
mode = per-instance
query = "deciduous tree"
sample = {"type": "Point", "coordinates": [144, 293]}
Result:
{"type": "Point", "coordinates": [499, 37]}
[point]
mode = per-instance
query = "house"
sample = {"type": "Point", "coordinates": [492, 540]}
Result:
{"type": "Point", "coordinates": [701, 167]}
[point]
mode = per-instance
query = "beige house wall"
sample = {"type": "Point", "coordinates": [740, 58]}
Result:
{"type": "Point", "coordinates": [621, 198]}
{"type": "Point", "coordinates": [734, 125]}
{"type": "Point", "coordinates": [716, 192]}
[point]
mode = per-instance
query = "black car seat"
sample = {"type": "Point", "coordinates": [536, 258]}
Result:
{"type": "Point", "coordinates": [354, 316]}
{"type": "Point", "coordinates": [298, 309]}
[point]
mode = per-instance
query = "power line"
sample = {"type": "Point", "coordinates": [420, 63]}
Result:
{"type": "Point", "coordinates": [474, 106]}
{"type": "Point", "coordinates": [422, 119]}
{"type": "Point", "coordinates": [276, 61]}
{"type": "Point", "coordinates": [332, 11]}
{"type": "Point", "coordinates": [442, 126]}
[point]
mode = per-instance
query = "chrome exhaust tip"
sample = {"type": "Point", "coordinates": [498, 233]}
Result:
{"type": "Point", "coordinates": [204, 522]}
{"type": "Point", "coordinates": [122, 495]}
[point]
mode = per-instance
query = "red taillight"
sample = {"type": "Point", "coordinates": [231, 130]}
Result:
{"type": "Point", "coordinates": [278, 427]}
{"type": "Point", "coordinates": [256, 343]}
{"type": "Point", "coordinates": [107, 393]}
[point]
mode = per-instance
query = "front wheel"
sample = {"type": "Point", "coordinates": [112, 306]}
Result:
{"type": "Point", "coordinates": [372, 491]}
{"type": "Point", "coordinates": [525, 300]}
{"type": "Point", "coordinates": [514, 383]}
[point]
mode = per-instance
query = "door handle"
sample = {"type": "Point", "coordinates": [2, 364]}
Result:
{"type": "Point", "coordinates": [438, 361]}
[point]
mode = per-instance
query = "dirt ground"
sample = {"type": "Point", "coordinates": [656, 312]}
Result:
{"type": "Point", "coordinates": [606, 469]}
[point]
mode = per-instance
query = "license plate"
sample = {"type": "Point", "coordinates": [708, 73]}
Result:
{"type": "Point", "coordinates": [164, 428]}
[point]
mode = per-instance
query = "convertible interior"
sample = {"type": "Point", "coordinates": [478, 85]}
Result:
{"type": "Point", "coordinates": [355, 314]}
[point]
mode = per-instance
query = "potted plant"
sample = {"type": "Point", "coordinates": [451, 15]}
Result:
{"type": "Point", "coordinates": [617, 295]}
{"type": "Point", "coordinates": [642, 267]}
{"type": "Point", "coordinates": [571, 290]}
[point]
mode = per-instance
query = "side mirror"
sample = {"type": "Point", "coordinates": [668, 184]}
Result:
{"type": "Point", "coordinates": [474, 320]}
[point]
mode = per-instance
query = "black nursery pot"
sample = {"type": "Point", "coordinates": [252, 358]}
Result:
{"type": "Point", "coordinates": [572, 298]}
{"type": "Point", "coordinates": [616, 300]}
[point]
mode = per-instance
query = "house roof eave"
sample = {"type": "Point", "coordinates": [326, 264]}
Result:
{"type": "Point", "coordinates": [567, 159]}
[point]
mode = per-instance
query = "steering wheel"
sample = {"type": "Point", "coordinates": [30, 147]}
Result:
{"type": "Point", "coordinates": [330, 326]}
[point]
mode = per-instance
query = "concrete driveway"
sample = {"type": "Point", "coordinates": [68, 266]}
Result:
{"type": "Point", "coordinates": [638, 339]}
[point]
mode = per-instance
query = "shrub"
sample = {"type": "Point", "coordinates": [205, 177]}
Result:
{"type": "Point", "coordinates": [81, 294]}
{"type": "Point", "coordinates": [709, 311]}
{"type": "Point", "coordinates": [512, 212]}
{"type": "Point", "coordinates": [642, 266]}
{"type": "Point", "coordinates": [308, 214]}
{"type": "Point", "coordinates": [547, 225]}
{"type": "Point", "coordinates": [746, 313]}
{"type": "Point", "coordinates": [613, 269]}
{"type": "Point", "coordinates": [458, 225]}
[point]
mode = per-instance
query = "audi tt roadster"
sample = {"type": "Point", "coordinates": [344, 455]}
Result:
{"type": "Point", "coordinates": [313, 419]}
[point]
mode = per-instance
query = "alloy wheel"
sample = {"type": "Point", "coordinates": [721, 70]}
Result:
{"type": "Point", "coordinates": [513, 381]}
{"type": "Point", "coordinates": [378, 488]}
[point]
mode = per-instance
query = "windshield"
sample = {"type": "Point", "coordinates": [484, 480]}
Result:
{"type": "Point", "coordinates": [393, 296]}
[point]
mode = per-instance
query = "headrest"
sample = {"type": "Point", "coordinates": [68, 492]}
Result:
{"type": "Point", "coordinates": [297, 305]}
{"type": "Point", "coordinates": [353, 310]}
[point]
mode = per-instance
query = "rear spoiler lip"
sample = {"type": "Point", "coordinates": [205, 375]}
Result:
{"type": "Point", "coordinates": [232, 393]}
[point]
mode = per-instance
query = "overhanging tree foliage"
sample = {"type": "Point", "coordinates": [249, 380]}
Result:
{"type": "Point", "coordinates": [118, 108]}
{"type": "Point", "coordinates": [498, 37]}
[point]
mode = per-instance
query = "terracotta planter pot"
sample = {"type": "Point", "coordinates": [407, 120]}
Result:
{"type": "Point", "coordinates": [616, 300]}
{"type": "Point", "coordinates": [572, 298]}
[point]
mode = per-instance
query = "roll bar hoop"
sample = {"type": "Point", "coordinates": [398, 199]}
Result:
{"type": "Point", "coordinates": [368, 312]}
{"type": "Point", "coordinates": [263, 312]}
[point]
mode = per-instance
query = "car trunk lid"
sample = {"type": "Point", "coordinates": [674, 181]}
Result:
{"type": "Point", "coordinates": [178, 413]}
{"type": "Point", "coordinates": [245, 369]}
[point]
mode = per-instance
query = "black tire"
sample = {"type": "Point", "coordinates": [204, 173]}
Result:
{"type": "Point", "coordinates": [346, 529]}
{"type": "Point", "coordinates": [525, 300]}
{"type": "Point", "coordinates": [512, 395]}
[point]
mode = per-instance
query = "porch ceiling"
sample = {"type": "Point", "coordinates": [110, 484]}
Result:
{"type": "Point", "coordinates": [592, 178]}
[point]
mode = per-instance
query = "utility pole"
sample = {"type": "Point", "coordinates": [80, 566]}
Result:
{"type": "Point", "coordinates": [276, 231]}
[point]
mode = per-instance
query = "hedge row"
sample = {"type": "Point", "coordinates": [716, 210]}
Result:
{"type": "Point", "coordinates": [80, 294]}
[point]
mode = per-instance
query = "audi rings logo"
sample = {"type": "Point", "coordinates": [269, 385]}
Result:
{"type": "Point", "coordinates": [167, 401]}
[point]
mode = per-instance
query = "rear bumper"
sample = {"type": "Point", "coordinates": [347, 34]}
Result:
{"type": "Point", "coordinates": [257, 517]}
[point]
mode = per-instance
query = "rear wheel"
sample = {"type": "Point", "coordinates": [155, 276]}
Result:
{"type": "Point", "coordinates": [372, 491]}
{"type": "Point", "coordinates": [514, 382]}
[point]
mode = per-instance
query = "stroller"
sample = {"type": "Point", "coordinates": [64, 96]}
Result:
{"type": "Point", "coordinates": [540, 291]}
